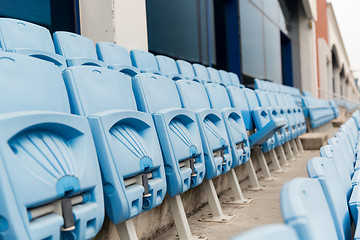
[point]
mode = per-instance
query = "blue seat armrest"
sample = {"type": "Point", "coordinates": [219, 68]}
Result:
{"type": "Point", "coordinates": [85, 61]}
{"type": "Point", "coordinates": [128, 70]}
{"type": "Point", "coordinates": [57, 59]}
{"type": "Point", "coordinates": [263, 134]}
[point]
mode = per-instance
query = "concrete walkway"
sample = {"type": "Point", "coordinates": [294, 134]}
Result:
{"type": "Point", "coordinates": [265, 208]}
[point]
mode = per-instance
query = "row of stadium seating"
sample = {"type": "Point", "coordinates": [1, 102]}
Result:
{"type": "Point", "coordinates": [318, 111]}
{"type": "Point", "coordinates": [326, 205]}
{"type": "Point", "coordinates": [149, 134]}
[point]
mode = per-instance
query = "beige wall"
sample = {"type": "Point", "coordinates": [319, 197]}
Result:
{"type": "Point", "coordinates": [120, 21]}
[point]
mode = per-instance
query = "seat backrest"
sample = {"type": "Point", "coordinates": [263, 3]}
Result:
{"type": "Point", "coordinates": [167, 65]}
{"type": "Point", "coordinates": [214, 75]}
{"type": "Point", "coordinates": [185, 68]}
{"type": "Point", "coordinates": [324, 169]}
{"type": "Point", "coordinates": [262, 98]}
{"type": "Point", "coordinates": [304, 207]}
{"type": "Point", "coordinates": [113, 54]}
{"type": "Point", "coordinates": [251, 98]}
{"type": "Point", "coordinates": [259, 84]}
{"type": "Point", "coordinates": [218, 96]}
{"type": "Point", "coordinates": [155, 92]}
{"type": "Point", "coordinates": [29, 84]}
{"type": "Point", "coordinates": [272, 231]}
{"type": "Point", "coordinates": [94, 90]}
{"type": "Point", "coordinates": [16, 34]}
{"type": "Point", "coordinates": [235, 81]}
{"type": "Point", "coordinates": [201, 72]}
{"type": "Point", "coordinates": [72, 45]}
{"type": "Point", "coordinates": [272, 99]}
{"type": "Point", "coordinates": [225, 78]}
{"type": "Point", "coordinates": [238, 100]}
{"type": "Point", "coordinates": [143, 60]}
{"type": "Point", "coordinates": [335, 152]}
{"type": "Point", "coordinates": [193, 95]}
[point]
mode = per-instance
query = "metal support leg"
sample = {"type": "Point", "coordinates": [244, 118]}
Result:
{"type": "Point", "coordinates": [181, 222]}
{"type": "Point", "coordinates": [289, 153]}
{"type": "Point", "coordinates": [254, 182]}
{"type": "Point", "coordinates": [282, 156]}
{"type": "Point", "coordinates": [217, 214]}
{"type": "Point", "coordinates": [264, 167]}
{"type": "Point", "coordinates": [275, 161]}
{"type": "Point", "coordinates": [236, 190]}
{"type": "Point", "coordinates": [127, 230]}
{"type": "Point", "coordinates": [299, 144]}
{"type": "Point", "coordinates": [293, 145]}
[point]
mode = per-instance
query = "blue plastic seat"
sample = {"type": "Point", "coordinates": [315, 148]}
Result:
{"type": "Point", "coordinates": [214, 75]}
{"type": "Point", "coordinates": [255, 117]}
{"type": "Point", "coordinates": [28, 39]}
{"type": "Point", "coordinates": [215, 140]}
{"type": "Point", "coordinates": [260, 84]}
{"type": "Point", "coordinates": [116, 58]}
{"type": "Point", "coordinates": [201, 73]}
{"type": "Point", "coordinates": [145, 61]}
{"type": "Point", "coordinates": [186, 69]}
{"type": "Point", "coordinates": [235, 81]}
{"type": "Point", "coordinates": [304, 207]}
{"type": "Point", "coordinates": [234, 123]}
{"type": "Point", "coordinates": [325, 170]}
{"type": "Point", "coordinates": [168, 67]}
{"type": "Point", "coordinates": [283, 113]}
{"type": "Point", "coordinates": [177, 130]}
{"type": "Point", "coordinates": [274, 113]}
{"type": "Point", "coordinates": [283, 100]}
{"type": "Point", "coordinates": [273, 231]}
{"type": "Point", "coordinates": [48, 157]}
{"type": "Point", "coordinates": [125, 139]}
{"type": "Point", "coordinates": [225, 78]}
{"type": "Point", "coordinates": [77, 49]}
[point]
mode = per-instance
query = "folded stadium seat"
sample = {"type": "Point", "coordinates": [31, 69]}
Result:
{"type": "Point", "coordinates": [216, 146]}
{"type": "Point", "coordinates": [181, 144]}
{"type": "Point", "coordinates": [256, 117]}
{"type": "Point", "coordinates": [214, 75]}
{"type": "Point", "coordinates": [296, 121]}
{"type": "Point", "coordinates": [225, 78]}
{"type": "Point", "coordinates": [168, 67]}
{"type": "Point", "coordinates": [187, 70]}
{"type": "Point", "coordinates": [116, 58]}
{"type": "Point", "coordinates": [271, 231]}
{"type": "Point", "coordinates": [235, 126]}
{"type": "Point", "coordinates": [28, 39]}
{"type": "Point", "coordinates": [304, 207]}
{"type": "Point", "coordinates": [326, 171]}
{"type": "Point", "coordinates": [223, 147]}
{"type": "Point", "coordinates": [77, 49]}
{"type": "Point", "coordinates": [145, 61]}
{"type": "Point", "coordinates": [235, 81]}
{"type": "Point", "coordinates": [125, 139]}
{"type": "Point", "coordinates": [282, 136]}
{"type": "Point", "coordinates": [50, 183]}
{"type": "Point", "coordinates": [274, 113]}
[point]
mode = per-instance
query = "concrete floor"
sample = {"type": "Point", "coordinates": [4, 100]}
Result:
{"type": "Point", "coordinates": [265, 208]}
